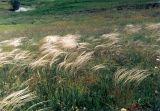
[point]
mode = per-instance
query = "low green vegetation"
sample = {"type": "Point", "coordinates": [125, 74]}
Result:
{"type": "Point", "coordinates": [79, 55]}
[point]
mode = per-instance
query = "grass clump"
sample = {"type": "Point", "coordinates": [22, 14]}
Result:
{"type": "Point", "coordinates": [89, 78]}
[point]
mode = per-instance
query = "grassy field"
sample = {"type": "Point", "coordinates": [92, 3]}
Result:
{"type": "Point", "coordinates": [79, 55]}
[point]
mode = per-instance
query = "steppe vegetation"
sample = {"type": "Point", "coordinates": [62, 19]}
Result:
{"type": "Point", "coordinates": [79, 55]}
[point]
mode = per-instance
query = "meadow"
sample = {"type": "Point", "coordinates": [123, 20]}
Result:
{"type": "Point", "coordinates": [79, 55]}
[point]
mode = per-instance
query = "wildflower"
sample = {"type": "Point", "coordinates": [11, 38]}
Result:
{"type": "Point", "coordinates": [123, 109]}
{"type": "Point", "coordinates": [84, 108]}
{"type": "Point", "coordinates": [158, 59]}
{"type": "Point", "coordinates": [156, 92]}
{"type": "Point", "coordinates": [156, 67]}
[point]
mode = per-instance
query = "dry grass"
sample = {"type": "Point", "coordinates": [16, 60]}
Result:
{"type": "Point", "coordinates": [153, 26]}
{"type": "Point", "coordinates": [16, 100]}
{"type": "Point", "coordinates": [16, 56]}
{"type": "Point", "coordinates": [81, 62]}
{"type": "Point", "coordinates": [98, 67]}
{"type": "Point", "coordinates": [125, 77]}
{"type": "Point", "coordinates": [73, 72]}
{"type": "Point", "coordinates": [15, 42]}
{"type": "Point", "coordinates": [60, 50]}
{"type": "Point", "coordinates": [107, 41]}
{"type": "Point", "coordinates": [132, 28]}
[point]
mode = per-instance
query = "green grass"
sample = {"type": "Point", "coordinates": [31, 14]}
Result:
{"type": "Point", "coordinates": [81, 88]}
{"type": "Point", "coordinates": [62, 8]}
